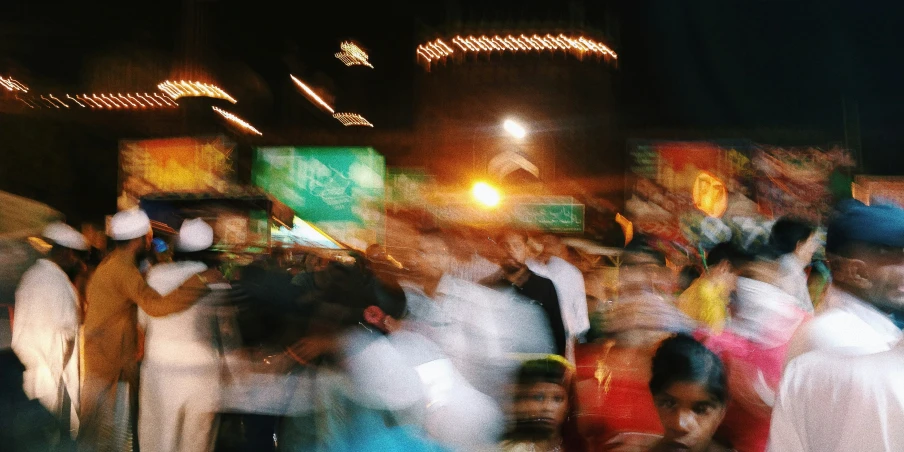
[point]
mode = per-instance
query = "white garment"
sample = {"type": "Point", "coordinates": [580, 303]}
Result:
{"type": "Point", "coordinates": [832, 403]}
{"type": "Point", "coordinates": [46, 327]}
{"type": "Point", "coordinates": [848, 324]}
{"type": "Point", "coordinates": [180, 387]}
{"type": "Point", "coordinates": [569, 284]}
{"type": "Point", "coordinates": [764, 313]}
{"type": "Point", "coordinates": [794, 281]}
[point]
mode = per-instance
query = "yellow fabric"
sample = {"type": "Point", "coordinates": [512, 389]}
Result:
{"type": "Point", "coordinates": [706, 303]}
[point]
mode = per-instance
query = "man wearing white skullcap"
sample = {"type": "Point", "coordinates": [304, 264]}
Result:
{"type": "Point", "coordinates": [180, 378]}
{"type": "Point", "coordinates": [47, 323]}
{"type": "Point", "coordinates": [115, 292]}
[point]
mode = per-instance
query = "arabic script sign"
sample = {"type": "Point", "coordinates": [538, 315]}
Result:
{"type": "Point", "coordinates": [324, 184]}
{"type": "Point", "coordinates": [562, 216]}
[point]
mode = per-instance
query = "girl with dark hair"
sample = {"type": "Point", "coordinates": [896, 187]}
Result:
{"type": "Point", "coordinates": [543, 409]}
{"type": "Point", "coordinates": [690, 391]}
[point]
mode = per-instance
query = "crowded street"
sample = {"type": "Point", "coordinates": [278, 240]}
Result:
{"type": "Point", "coordinates": [459, 226]}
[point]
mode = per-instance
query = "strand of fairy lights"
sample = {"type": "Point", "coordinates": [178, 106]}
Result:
{"type": "Point", "coordinates": [12, 84]}
{"type": "Point", "coordinates": [436, 50]}
{"type": "Point", "coordinates": [352, 55]}
{"type": "Point", "coordinates": [311, 94]}
{"type": "Point", "coordinates": [183, 88]}
{"type": "Point", "coordinates": [109, 101]}
{"type": "Point", "coordinates": [241, 123]}
{"type": "Point", "coordinates": [352, 119]}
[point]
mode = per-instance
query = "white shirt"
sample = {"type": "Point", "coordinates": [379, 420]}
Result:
{"type": "Point", "coordinates": [848, 325]}
{"type": "Point", "coordinates": [175, 339]}
{"type": "Point", "coordinates": [569, 283]}
{"type": "Point", "coordinates": [794, 281]}
{"type": "Point", "coordinates": [831, 403]}
{"type": "Point", "coordinates": [46, 324]}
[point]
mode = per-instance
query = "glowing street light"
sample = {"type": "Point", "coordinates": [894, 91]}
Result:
{"type": "Point", "coordinates": [514, 129]}
{"type": "Point", "coordinates": [486, 194]}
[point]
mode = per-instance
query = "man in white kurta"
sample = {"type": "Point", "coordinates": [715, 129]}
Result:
{"type": "Point", "coordinates": [831, 403]}
{"type": "Point", "coordinates": [569, 283]}
{"type": "Point", "coordinates": [46, 328]}
{"type": "Point", "coordinates": [844, 390]}
{"type": "Point", "coordinates": [180, 388]}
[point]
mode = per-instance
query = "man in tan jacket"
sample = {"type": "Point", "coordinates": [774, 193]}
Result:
{"type": "Point", "coordinates": [111, 344]}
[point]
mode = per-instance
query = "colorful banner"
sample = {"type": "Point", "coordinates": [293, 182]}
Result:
{"type": "Point", "coordinates": [174, 165]}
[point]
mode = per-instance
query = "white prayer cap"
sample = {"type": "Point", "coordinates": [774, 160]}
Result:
{"type": "Point", "coordinates": [64, 235]}
{"type": "Point", "coordinates": [194, 235]}
{"type": "Point", "coordinates": [129, 224]}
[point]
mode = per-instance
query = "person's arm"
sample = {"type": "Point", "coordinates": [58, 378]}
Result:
{"type": "Point", "coordinates": [156, 305]}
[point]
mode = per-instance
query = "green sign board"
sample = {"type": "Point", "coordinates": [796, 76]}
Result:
{"type": "Point", "coordinates": [324, 184]}
{"type": "Point", "coordinates": [551, 215]}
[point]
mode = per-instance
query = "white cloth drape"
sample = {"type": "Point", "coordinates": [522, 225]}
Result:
{"type": "Point", "coordinates": [45, 337]}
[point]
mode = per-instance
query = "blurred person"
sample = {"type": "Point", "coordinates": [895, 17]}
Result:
{"type": "Point", "coordinates": [115, 291]}
{"type": "Point", "coordinates": [384, 393]}
{"type": "Point", "coordinates": [543, 407]}
{"type": "Point", "coordinates": [25, 424]}
{"type": "Point", "coordinates": [690, 390]}
{"type": "Point", "coordinates": [706, 300]}
{"type": "Point", "coordinates": [753, 348]}
{"type": "Point", "coordinates": [46, 332]}
{"type": "Point", "coordinates": [180, 373]}
{"type": "Point", "coordinates": [478, 328]}
{"type": "Point", "coordinates": [515, 272]}
{"type": "Point", "coordinates": [830, 402]}
{"type": "Point", "coordinates": [551, 263]}
{"type": "Point", "coordinates": [865, 298]}
{"type": "Point", "coordinates": [616, 411]}
{"type": "Point", "coordinates": [795, 241]}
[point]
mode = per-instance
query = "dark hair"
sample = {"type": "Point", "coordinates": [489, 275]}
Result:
{"type": "Point", "coordinates": [788, 232]}
{"type": "Point", "coordinates": [727, 252]}
{"type": "Point", "coordinates": [687, 276]}
{"type": "Point", "coordinates": [681, 358]}
{"type": "Point", "coordinates": [640, 245]}
{"type": "Point", "coordinates": [543, 371]}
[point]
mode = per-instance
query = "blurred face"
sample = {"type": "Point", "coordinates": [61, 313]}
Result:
{"type": "Point", "coordinates": [433, 257]}
{"type": "Point", "coordinates": [879, 274]}
{"type": "Point", "coordinates": [689, 415]}
{"type": "Point", "coordinates": [541, 406]}
{"type": "Point", "coordinates": [642, 272]}
{"type": "Point", "coordinates": [515, 247]}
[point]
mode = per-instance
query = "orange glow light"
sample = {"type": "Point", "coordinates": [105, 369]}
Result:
{"type": "Point", "coordinates": [184, 88]}
{"type": "Point", "coordinates": [352, 119]}
{"type": "Point", "coordinates": [437, 50]}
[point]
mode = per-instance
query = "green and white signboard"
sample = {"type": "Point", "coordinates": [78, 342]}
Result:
{"type": "Point", "coordinates": [337, 188]}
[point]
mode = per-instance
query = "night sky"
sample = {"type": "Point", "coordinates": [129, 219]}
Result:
{"type": "Point", "coordinates": [684, 65]}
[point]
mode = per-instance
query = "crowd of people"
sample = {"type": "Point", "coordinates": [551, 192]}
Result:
{"type": "Point", "coordinates": [463, 341]}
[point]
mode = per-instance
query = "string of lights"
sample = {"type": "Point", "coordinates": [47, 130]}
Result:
{"type": "Point", "coordinates": [235, 120]}
{"type": "Point", "coordinates": [580, 46]}
{"type": "Point", "coordinates": [352, 119]}
{"type": "Point", "coordinates": [352, 55]}
{"type": "Point", "coordinates": [182, 88]}
{"type": "Point", "coordinates": [119, 101]}
{"type": "Point", "coordinates": [311, 94]}
{"type": "Point", "coordinates": [12, 84]}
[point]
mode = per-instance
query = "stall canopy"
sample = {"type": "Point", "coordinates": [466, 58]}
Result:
{"type": "Point", "coordinates": [22, 217]}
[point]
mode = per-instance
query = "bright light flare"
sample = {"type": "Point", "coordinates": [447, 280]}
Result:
{"type": "Point", "coordinates": [486, 194]}
{"type": "Point", "coordinates": [239, 122]}
{"type": "Point", "coordinates": [12, 84]}
{"type": "Point", "coordinates": [312, 95]}
{"type": "Point", "coordinates": [352, 119]}
{"type": "Point", "coordinates": [514, 129]}
{"type": "Point", "coordinates": [184, 88]}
